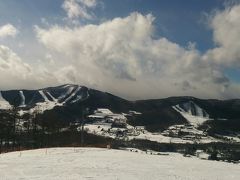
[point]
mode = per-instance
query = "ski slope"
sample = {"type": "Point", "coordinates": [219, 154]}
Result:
{"type": "Point", "coordinates": [95, 163]}
{"type": "Point", "coordinates": [195, 119]}
{"type": "Point", "coordinates": [3, 103]}
{"type": "Point", "coordinates": [43, 95]}
{"type": "Point", "coordinates": [71, 94]}
{"type": "Point", "coordinates": [70, 90]}
{"type": "Point", "coordinates": [74, 92]}
{"type": "Point", "coordinates": [23, 104]}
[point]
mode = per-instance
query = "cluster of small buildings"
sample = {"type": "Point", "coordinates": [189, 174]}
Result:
{"type": "Point", "coordinates": [185, 132]}
{"type": "Point", "coordinates": [115, 124]}
{"type": "Point", "coordinates": [107, 116]}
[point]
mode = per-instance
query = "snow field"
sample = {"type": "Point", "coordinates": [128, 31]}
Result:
{"type": "Point", "coordinates": [95, 163]}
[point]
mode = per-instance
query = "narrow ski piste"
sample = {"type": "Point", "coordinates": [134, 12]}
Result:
{"type": "Point", "coordinates": [53, 98]}
{"type": "Point", "coordinates": [65, 95]}
{"type": "Point", "coordinates": [43, 95]}
{"type": "Point", "coordinates": [72, 94]}
{"type": "Point", "coordinates": [23, 99]}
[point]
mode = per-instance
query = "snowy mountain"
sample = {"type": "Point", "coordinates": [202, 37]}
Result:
{"type": "Point", "coordinates": [62, 115]}
{"type": "Point", "coordinates": [194, 114]}
{"type": "Point", "coordinates": [65, 102]}
{"type": "Point", "coordinates": [192, 108]}
{"type": "Point", "coordinates": [40, 100]}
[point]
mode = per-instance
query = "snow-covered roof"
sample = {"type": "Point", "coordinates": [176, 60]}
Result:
{"type": "Point", "coordinates": [99, 116]}
{"type": "Point", "coordinates": [103, 110]}
{"type": "Point", "coordinates": [135, 112]}
{"type": "Point", "coordinates": [140, 127]}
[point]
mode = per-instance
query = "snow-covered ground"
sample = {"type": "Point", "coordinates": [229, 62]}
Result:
{"type": "Point", "coordinates": [69, 95]}
{"type": "Point", "coordinates": [94, 163]}
{"type": "Point", "coordinates": [231, 138]}
{"type": "Point", "coordinates": [3, 103]}
{"type": "Point", "coordinates": [104, 129]}
{"type": "Point", "coordinates": [195, 120]}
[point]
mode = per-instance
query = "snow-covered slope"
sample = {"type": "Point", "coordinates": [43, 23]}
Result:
{"type": "Point", "coordinates": [69, 93]}
{"type": "Point", "coordinates": [69, 90]}
{"type": "Point", "coordinates": [44, 99]}
{"type": "Point", "coordinates": [43, 95]}
{"type": "Point", "coordinates": [156, 114]}
{"type": "Point", "coordinates": [23, 99]}
{"type": "Point", "coordinates": [46, 105]}
{"type": "Point", "coordinates": [3, 103]}
{"type": "Point", "coordinates": [72, 94]}
{"type": "Point", "coordinates": [194, 114]}
{"type": "Point", "coordinates": [94, 163]}
{"type": "Point", "coordinates": [192, 108]}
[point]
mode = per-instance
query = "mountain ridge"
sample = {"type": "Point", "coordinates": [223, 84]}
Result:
{"type": "Point", "coordinates": [157, 114]}
{"type": "Point", "coordinates": [137, 100]}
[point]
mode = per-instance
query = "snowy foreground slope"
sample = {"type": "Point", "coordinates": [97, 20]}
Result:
{"type": "Point", "coordinates": [94, 163]}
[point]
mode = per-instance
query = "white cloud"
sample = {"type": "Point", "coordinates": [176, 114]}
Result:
{"type": "Point", "coordinates": [88, 3]}
{"type": "Point", "coordinates": [8, 30]}
{"type": "Point", "coordinates": [79, 8]}
{"type": "Point", "coordinates": [11, 63]}
{"type": "Point", "coordinates": [226, 34]}
{"type": "Point", "coordinates": [15, 73]}
{"type": "Point", "coordinates": [12, 68]}
{"type": "Point", "coordinates": [122, 56]}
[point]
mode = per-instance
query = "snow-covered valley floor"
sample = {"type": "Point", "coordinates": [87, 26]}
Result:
{"type": "Point", "coordinates": [94, 163]}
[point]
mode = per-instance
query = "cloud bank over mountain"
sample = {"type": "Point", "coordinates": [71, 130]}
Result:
{"type": "Point", "coordinates": [124, 56]}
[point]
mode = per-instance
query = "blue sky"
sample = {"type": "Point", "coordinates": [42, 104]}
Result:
{"type": "Point", "coordinates": [181, 23]}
